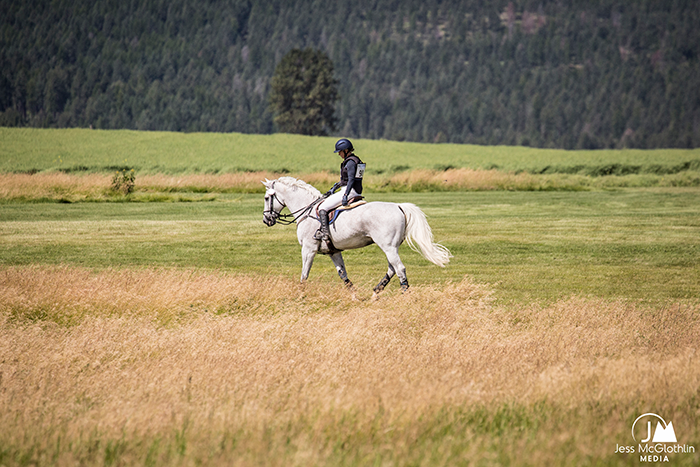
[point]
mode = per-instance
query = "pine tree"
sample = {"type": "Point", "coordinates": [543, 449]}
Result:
{"type": "Point", "coordinates": [304, 92]}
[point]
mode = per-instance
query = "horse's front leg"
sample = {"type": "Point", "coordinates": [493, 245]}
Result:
{"type": "Point", "coordinates": [340, 267]}
{"type": "Point", "coordinates": [308, 253]}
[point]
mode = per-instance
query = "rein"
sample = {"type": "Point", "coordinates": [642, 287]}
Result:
{"type": "Point", "coordinates": [287, 219]}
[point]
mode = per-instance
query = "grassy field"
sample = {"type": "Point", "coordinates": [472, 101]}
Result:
{"type": "Point", "coordinates": [167, 327]}
{"type": "Point", "coordinates": [81, 150]}
{"type": "Point", "coordinates": [534, 245]}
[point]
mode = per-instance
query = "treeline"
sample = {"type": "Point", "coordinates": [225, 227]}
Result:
{"type": "Point", "coordinates": [594, 74]}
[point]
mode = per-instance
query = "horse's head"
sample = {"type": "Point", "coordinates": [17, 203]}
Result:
{"type": "Point", "coordinates": [273, 205]}
{"type": "Point", "coordinates": [289, 192]}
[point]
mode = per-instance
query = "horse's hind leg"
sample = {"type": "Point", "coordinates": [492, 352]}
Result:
{"type": "Point", "coordinates": [395, 267]}
{"type": "Point", "coordinates": [340, 267]}
{"type": "Point", "coordinates": [385, 281]}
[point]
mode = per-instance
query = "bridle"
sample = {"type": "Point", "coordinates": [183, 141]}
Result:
{"type": "Point", "coordinates": [285, 219]}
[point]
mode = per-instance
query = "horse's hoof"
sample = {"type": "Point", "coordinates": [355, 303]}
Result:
{"type": "Point", "coordinates": [375, 296]}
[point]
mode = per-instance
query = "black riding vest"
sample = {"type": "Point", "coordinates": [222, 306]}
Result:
{"type": "Point", "coordinates": [345, 177]}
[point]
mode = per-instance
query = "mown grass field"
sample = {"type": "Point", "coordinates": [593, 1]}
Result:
{"type": "Point", "coordinates": [167, 327]}
{"type": "Point", "coordinates": [81, 150]}
{"type": "Point", "coordinates": [533, 245]}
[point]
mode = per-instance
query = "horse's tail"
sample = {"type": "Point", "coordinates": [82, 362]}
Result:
{"type": "Point", "coordinates": [418, 233]}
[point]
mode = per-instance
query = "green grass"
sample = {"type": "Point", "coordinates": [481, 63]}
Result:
{"type": "Point", "coordinates": [79, 150]}
{"type": "Point", "coordinates": [533, 246]}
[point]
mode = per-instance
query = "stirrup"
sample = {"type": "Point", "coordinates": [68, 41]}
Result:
{"type": "Point", "coordinates": [321, 235]}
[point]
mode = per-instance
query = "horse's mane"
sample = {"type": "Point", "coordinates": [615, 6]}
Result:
{"type": "Point", "coordinates": [296, 183]}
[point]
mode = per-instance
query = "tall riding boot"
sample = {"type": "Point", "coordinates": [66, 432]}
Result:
{"type": "Point", "coordinates": [325, 231]}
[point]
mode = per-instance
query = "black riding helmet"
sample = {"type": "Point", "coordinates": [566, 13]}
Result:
{"type": "Point", "coordinates": [343, 144]}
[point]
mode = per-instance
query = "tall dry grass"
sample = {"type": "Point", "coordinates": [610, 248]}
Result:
{"type": "Point", "coordinates": [164, 366]}
{"type": "Point", "coordinates": [96, 187]}
{"type": "Point", "coordinates": [478, 180]}
{"type": "Point", "coordinates": [53, 186]}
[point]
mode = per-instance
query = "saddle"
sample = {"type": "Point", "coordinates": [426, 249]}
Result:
{"type": "Point", "coordinates": [352, 203]}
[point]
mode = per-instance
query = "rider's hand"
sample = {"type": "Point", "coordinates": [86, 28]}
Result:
{"type": "Point", "coordinates": [345, 200]}
{"type": "Point", "coordinates": [332, 190]}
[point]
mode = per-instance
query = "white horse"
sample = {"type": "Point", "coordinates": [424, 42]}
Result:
{"type": "Point", "coordinates": [386, 224]}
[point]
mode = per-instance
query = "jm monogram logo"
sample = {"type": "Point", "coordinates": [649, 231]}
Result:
{"type": "Point", "coordinates": [664, 432]}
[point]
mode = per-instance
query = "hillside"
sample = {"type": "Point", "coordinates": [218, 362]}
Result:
{"type": "Point", "coordinates": [543, 74]}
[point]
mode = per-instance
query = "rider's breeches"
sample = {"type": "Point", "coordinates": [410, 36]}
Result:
{"type": "Point", "coordinates": [335, 200]}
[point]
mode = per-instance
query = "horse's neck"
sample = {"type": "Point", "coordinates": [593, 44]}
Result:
{"type": "Point", "coordinates": [299, 199]}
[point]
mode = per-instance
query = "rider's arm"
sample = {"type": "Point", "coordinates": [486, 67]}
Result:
{"type": "Point", "coordinates": [332, 190]}
{"type": "Point", "coordinates": [351, 168]}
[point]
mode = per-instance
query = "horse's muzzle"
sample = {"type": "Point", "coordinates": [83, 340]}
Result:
{"type": "Point", "coordinates": [269, 220]}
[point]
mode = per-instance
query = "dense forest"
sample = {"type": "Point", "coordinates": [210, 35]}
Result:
{"type": "Point", "coordinates": [583, 74]}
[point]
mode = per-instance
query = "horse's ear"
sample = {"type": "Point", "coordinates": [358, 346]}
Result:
{"type": "Point", "coordinates": [266, 183]}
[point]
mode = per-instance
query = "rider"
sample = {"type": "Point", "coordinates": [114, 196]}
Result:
{"type": "Point", "coordinates": [351, 172]}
